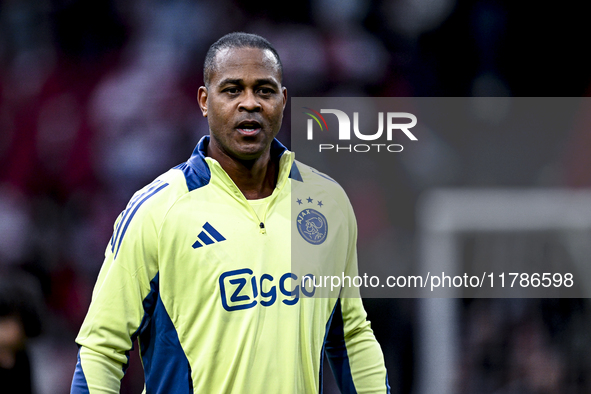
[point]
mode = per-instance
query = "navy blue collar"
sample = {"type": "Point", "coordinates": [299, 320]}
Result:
{"type": "Point", "coordinates": [197, 159]}
{"type": "Point", "coordinates": [198, 174]}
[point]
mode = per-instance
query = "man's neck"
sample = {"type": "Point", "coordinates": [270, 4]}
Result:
{"type": "Point", "coordinates": [256, 178]}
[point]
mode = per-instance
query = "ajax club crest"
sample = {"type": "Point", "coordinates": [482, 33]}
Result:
{"type": "Point", "coordinates": [312, 226]}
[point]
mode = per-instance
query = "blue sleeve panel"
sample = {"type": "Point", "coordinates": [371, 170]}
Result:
{"type": "Point", "coordinates": [79, 385]}
{"type": "Point", "coordinates": [336, 350]}
{"type": "Point", "coordinates": [166, 366]}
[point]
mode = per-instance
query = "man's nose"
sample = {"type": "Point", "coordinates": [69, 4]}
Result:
{"type": "Point", "coordinates": [250, 102]}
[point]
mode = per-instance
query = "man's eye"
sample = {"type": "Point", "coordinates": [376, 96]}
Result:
{"type": "Point", "coordinates": [231, 90]}
{"type": "Point", "coordinates": [266, 91]}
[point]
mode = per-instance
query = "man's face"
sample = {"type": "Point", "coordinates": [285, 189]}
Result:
{"type": "Point", "coordinates": [244, 103]}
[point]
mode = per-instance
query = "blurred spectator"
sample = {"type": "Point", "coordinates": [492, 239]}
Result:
{"type": "Point", "coordinates": [20, 319]}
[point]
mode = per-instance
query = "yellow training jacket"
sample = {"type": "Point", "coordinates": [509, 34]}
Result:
{"type": "Point", "coordinates": [213, 290]}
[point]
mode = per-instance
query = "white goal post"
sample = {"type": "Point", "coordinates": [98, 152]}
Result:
{"type": "Point", "coordinates": [442, 216]}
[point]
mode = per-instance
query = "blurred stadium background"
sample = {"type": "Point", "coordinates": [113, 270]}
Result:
{"type": "Point", "coordinates": [98, 97]}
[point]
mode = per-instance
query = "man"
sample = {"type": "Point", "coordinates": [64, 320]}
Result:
{"type": "Point", "coordinates": [199, 265]}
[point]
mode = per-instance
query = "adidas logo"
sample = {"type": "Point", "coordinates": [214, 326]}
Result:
{"type": "Point", "coordinates": [206, 236]}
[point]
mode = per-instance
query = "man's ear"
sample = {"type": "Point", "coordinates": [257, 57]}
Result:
{"type": "Point", "coordinates": [284, 91]}
{"type": "Point", "coordinates": [202, 100]}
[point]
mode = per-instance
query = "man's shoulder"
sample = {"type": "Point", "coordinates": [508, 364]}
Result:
{"type": "Point", "coordinates": [311, 175]}
{"type": "Point", "coordinates": [158, 196]}
{"type": "Point", "coordinates": [311, 178]}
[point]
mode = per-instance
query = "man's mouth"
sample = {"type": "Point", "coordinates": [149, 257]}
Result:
{"type": "Point", "coordinates": [249, 127]}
